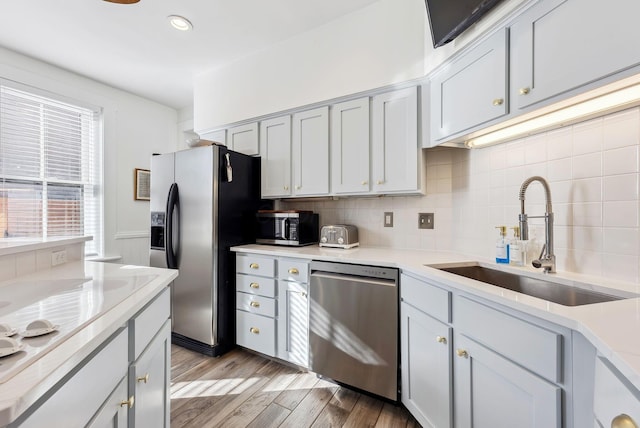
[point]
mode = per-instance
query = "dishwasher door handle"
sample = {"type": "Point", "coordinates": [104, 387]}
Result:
{"type": "Point", "coordinates": [353, 278]}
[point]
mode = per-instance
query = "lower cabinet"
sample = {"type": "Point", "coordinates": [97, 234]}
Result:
{"type": "Point", "coordinates": [426, 367]}
{"type": "Point", "coordinates": [616, 403]}
{"type": "Point", "coordinates": [493, 392]}
{"type": "Point", "coordinates": [113, 413]}
{"type": "Point", "coordinates": [293, 322]}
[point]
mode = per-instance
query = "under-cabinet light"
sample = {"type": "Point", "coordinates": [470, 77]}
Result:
{"type": "Point", "coordinates": [582, 108]}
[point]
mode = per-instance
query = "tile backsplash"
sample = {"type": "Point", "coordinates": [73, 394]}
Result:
{"type": "Point", "coordinates": [592, 169]}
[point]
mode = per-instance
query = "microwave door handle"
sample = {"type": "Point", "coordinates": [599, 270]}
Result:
{"type": "Point", "coordinates": [286, 228]}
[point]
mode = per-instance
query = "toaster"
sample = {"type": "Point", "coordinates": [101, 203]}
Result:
{"type": "Point", "coordinates": [339, 236]}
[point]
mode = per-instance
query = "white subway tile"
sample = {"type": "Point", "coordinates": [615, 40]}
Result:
{"type": "Point", "coordinates": [515, 155]}
{"type": "Point", "coordinates": [585, 214]}
{"type": "Point", "coordinates": [587, 137]}
{"type": "Point", "coordinates": [620, 267]}
{"type": "Point", "coordinates": [621, 161]}
{"type": "Point", "coordinates": [559, 170]}
{"type": "Point", "coordinates": [620, 187]}
{"type": "Point", "coordinates": [586, 166]}
{"type": "Point", "coordinates": [535, 149]}
{"type": "Point", "coordinates": [621, 241]}
{"type": "Point", "coordinates": [620, 214]}
{"type": "Point", "coordinates": [559, 143]}
{"type": "Point", "coordinates": [622, 129]}
{"type": "Point", "coordinates": [587, 190]}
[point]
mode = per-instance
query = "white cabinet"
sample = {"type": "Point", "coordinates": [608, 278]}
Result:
{"type": "Point", "coordinates": [561, 45]}
{"type": "Point", "coordinates": [350, 147]}
{"type": "Point", "coordinates": [493, 392]}
{"type": "Point", "coordinates": [219, 136]}
{"type": "Point", "coordinates": [472, 90]}
{"type": "Point", "coordinates": [275, 153]}
{"type": "Point", "coordinates": [149, 379]}
{"type": "Point", "coordinates": [394, 144]}
{"type": "Point", "coordinates": [310, 152]}
{"type": "Point", "coordinates": [293, 316]}
{"type": "Point", "coordinates": [614, 399]}
{"type": "Point", "coordinates": [244, 139]}
{"type": "Point", "coordinates": [113, 413]}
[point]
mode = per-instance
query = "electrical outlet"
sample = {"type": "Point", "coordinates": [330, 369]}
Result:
{"type": "Point", "coordinates": [425, 220]}
{"type": "Point", "coordinates": [58, 257]}
{"type": "Point", "coordinates": [388, 219]}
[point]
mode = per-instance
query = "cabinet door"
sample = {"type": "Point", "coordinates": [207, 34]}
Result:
{"type": "Point", "coordinates": [275, 153]}
{"type": "Point", "coordinates": [350, 147]}
{"type": "Point", "coordinates": [492, 392]}
{"type": "Point", "coordinates": [219, 136]}
{"type": "Point", "coordinates": [150, 378]}
{"type": "Point", "coordinates": [113, 413]}
{"type": "Point", "coordinates": [311, 152]}
{"type": "Point", "coordinates": [425, 350]}
{"type": "Point", "coordinates": [244, 138]}
{"type": "Point", "coordinates": [394, 142]}
{"type": "Point", "coordinates": [293, 322]}
{"type": "Point", "coordinates": [549, 56]}
{"type": "Point", "coordinates": [472, 90]}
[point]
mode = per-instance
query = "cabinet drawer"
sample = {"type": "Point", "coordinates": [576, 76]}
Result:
{"type": "Point", "coordinates": [256, 304]}
{"type": "Point", "coordinates": [256, 265]}
{"type": "Point", "coordinates": [612, 397]}
{"type": "Point", "coordinates": [428, 298]}
{"type": "Point", "coordinates": [532, 346]}
{"type": "Point", "coordinates": [256, 332]}
{"type": "Point", "coordinates": [145, 324]}
{"type": "Point", "coordinates": [96, 379]}
{"type": "Point", "coordinates": [293, 270]}
{"type": "Point", "coordinates": [256, 285]}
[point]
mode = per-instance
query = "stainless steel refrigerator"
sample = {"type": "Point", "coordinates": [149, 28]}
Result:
{"type": "Point", "coordinates": [203, 201]}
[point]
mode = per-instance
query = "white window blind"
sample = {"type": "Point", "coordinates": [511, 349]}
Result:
{"type": "Point", "coordinates": [50, 167]}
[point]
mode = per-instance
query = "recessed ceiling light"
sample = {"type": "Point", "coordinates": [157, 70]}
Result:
{"type": "Point", "coordinates": [123, 1]}
{"type": "Point", "coordinates": [179, 22]}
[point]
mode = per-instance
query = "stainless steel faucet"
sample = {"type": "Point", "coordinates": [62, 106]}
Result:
{"type": "Point", "coordinates": [546, 260]}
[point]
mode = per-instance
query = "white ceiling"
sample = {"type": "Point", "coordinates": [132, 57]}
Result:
{"type": "Point", "coordinates": [133, 47]}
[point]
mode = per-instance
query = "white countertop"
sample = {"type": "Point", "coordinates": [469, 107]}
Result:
{"type": "Point", "coordinates": [612, 327]}
{"type": "Point", "coordinates": [20, 245]}
{"type": "Point", "coordinates": [97, 298]}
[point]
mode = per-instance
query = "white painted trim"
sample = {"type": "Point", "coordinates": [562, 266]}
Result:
{"type": "Point", "coordinates": [134, 234]}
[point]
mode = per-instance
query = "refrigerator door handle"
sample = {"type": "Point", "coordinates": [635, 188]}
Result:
{"type": "Point", "coordinates": [173, 202]}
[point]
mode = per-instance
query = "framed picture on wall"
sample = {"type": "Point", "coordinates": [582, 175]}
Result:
{"type": "Point", "coordinates": [142, 185]}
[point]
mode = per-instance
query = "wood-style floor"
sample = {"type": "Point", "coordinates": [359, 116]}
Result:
{"type": "Point", "coordinates": [241, 389]}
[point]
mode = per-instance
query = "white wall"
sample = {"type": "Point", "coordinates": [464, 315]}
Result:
{"type": "Point", "coordinates": [134, 128]}
{"type": "Point", "coordinates": [369, 48]}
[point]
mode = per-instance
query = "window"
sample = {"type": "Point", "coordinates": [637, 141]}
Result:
{"type": "Point", "coordinates": [50, 166]}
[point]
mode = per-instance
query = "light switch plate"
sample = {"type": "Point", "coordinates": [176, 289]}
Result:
{"type": "Point", "coordinates": [388, 219]}
{"type": "Point", "coordinates": [425, 220]}
{"type": "Point", "coordinates": [58, 257]}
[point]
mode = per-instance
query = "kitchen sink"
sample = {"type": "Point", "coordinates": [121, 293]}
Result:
{"type": "Point", "coordinates": [547, 290]}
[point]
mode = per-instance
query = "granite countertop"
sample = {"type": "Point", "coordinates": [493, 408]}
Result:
{"type": "Point", "coordinates": [98, 299]}
{"type": "Point", "coordinates": [612, 327]}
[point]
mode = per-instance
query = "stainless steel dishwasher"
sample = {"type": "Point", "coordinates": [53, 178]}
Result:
{"type": "Point", "coordinates": [353, 322]}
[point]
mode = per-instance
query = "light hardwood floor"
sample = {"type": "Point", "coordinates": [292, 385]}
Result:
{"type": "Point", "coordinates": [242, 389]}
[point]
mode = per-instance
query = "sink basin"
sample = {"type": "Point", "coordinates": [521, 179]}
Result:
{"type": "Point", "coordinates": [547, 290]}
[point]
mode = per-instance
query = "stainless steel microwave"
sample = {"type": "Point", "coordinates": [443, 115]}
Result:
{"type": "Point", "coordinates": [294, 228]}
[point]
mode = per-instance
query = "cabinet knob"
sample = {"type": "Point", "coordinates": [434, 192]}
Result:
{"type": "Point", "coordinates": [298, 187]}
{"type": "Point", "coordinates": [462, 353]}
{"type": "Point", "coordinates": [498, 101]}
{"type": "Point", "coordinates": [524, 91]}
{"type": "Point", "coordinates": [623, 421]}
{"type": "Point", "coordinates": [128, 403]}
{"type": "Point", "coordinates": [364, 183]}
{"type": "Point", "coordinates": [294, 271]}
{"type": "Point", "coordinates": [254, 266]}
{"type": "Point", "coordinates": [286, 187]}
{"type": "Point", "coordinates": [441, 339]}
{"type": "Point", "coordinates": [144, 378]}
{"type": "Point", "coordinates": [380, 182]}
{"type": "Point", "coordinates": [254, 304]}
{"type": "Point", "coordinates": [254, 285]}
{"type": "Point", "coordinates": [254, 330]}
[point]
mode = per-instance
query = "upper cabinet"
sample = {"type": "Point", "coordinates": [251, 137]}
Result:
{"type": "Point", "coordinates": [275, 153]}
{"type": "Point", "coordinates": [310, 152]}
{"type": "Point", "coordinates": [350, 147]}
{"type": "Point", "coordinates": [471, 90]}
{"type": "Point", "coordinates": [560, 45]}
{"type": "Point", "coordinates": [244, 138]}
{"type": "Point", "coordinates": [218, 136]}
{"type": "Point", "coordinates": [394, 144]}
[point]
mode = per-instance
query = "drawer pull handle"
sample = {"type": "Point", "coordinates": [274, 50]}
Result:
{"type": "Point", "coordinates": [364, 183]}
{"type": "Point", "coordinates": [623, 421]}
{"type": "Point", "coordinates": [524, 91]}
{"type": "Point", "coordinates": [254, 330]}
{"type": "Point", "coordinates": [128, 403]}
{"type": "Point", "coordinates": [498, 102]}
{"type": "Point", "coordinates": [462, 353]}
{"type": "Point", "coordinates": [380, 182]}
{"type": "Point", "coordinates": [294, 271]}
{"type": "Point", "coordinates": [254, 266]}
{"type": "Point", "coordinates": [255, 304]}
{"type": "Point", "coordinates": [144, 378]}
{"type": "Point", "coordinates": [254, 285]}
{"type": "Point", "coordinates": [441, 339]}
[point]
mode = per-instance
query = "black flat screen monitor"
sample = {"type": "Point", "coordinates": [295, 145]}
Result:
{"type": "Point", "coordinates": [449, 18]}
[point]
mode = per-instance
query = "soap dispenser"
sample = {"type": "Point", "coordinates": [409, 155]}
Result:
{"type": "Point", "coordinates": [502, 247]}
{"type": "Point", "coordinates": [517, 249]}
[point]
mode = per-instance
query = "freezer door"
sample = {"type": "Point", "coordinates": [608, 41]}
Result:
{"type": "Point", "coordinates": [194, 291]}
{"type": "Point", "coordinates": [162, 176]}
